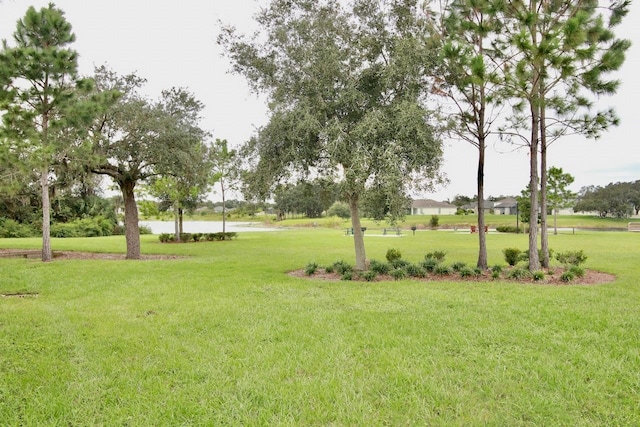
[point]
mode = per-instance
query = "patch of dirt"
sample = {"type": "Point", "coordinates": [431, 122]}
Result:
{"type": "Point", "coordinates": [36, 253]}
{"type": "Point", "coordinates": [591, 277]}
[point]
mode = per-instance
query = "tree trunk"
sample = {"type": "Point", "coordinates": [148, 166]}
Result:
{"type": "Point", "coordinates": [544, 235]}
{"type": "Point", "coordinates": [482, 238]}
{"type": "Point", "coordinates": [180, 220]}
{"type": "Point", "coordinates": [358, 234]}
{"type": "Point", "coordinates": [224, 209]}
{"type": "Point", "coordinates": [47, 254]}
{"type": "Point", "coordinates": [555, 221]}
{"type": "Point", "coordinates": [132, 230]}
{"type": "Point", "coordinates": [534, 262]}
{"type": "Point", "coordinates": [176, 222]}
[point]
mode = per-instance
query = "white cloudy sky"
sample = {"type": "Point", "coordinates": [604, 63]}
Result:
{"type": "Point", "coordinates": [172, 43]}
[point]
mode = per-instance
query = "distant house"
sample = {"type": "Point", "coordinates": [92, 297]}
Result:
{"type": "Point", "coordinates": [508, 206]}
{"type": "Point", "coordinates": [431, 207]}
{"type": "Point", "coordinates": [473, 207]}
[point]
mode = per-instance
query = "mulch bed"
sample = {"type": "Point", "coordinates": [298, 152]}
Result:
{"type": "Point", "coordinates": [36, 253]}
{"type": "Point", "coordinates": [591, 277]}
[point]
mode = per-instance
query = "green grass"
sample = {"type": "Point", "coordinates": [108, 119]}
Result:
{"type": "Point", "coordinates": [225, 337]}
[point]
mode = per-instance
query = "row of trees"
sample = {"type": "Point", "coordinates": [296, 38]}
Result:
{"type": "Point", "coordinates": [620, 199]}
{"type": "Point", "coordinates": [350, 88]}
{"type": "Point", "coordinates": [59, 128]}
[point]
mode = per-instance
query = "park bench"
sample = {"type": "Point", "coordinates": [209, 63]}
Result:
{"type": "Point", "coordinates": [349, 231]}
{"type": "Point", "coordinates": [391, 230]}
{"type": "Point", "coordinates": [634, 226]}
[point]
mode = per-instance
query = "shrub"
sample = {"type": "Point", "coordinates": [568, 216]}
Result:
{"type": "Point", "coordinates": [398, 274]}
{"type": "Point", "coordinates": [399, 263]}
{"type": "Point", "coordinates": [466, 271]}
{"type": "Point", "coordinates": [143, 229]}
{"type": "Point", "coordinates": [577, 271]}
{"type": "Point", "coordinates": [165, 237]}
{"type": "Point", "coordinates": [185, 237]}
{"type": "Point", "coordinates": [433, 222]}
{"type": "Point", "coordinates": [379, 267]}
{"type": "Point", "coordinates": [339, 209]}
{"type": "Point", "coordinates": [508, 229]}
{"type": "Point", "coordinates": [442, 270]}
{"type": "Point", "coordinates": [414, 270]}
{"type": "Point", "coordinates": [369, 275]}
{"type": "Point", "coordinates": [329, 269]}
{"type": "Point", "coordinates": [437, 255]}
{"type": "Point", "coordinates": [567, 276]}
{"type": "Point", "coordinates": [519, 274]}
{"type": "Point", "coordinates": [196, 237]}
{"type": "Point", "coordinates": [311, 269]}
{"type": "Point", "coordinates": [429, 264]}
{"type": "Point", "coordinates": [393, 254]}
{"type": "Point", "coordinates": [495, 274]}
{"type": "Point", "coordinates": [342, 267]}
{"type": "Point", "coordinates": [10, 228]}
{"type": "Point", "coordinates": [497, 268]}
{"type": "Point", "coordinates": [458, 265]}
{"type": "Point", "coordinates": [511, 255]}
{"type": "Point", "coordinates": [347, 275]}
{"type": "Point", "coordinates": [571, 257]}
{"type": "Point", "coordinates": [538, 275]}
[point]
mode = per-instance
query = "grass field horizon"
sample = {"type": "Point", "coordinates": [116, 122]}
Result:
{"type": "Point", "coordinates": [223, 336]}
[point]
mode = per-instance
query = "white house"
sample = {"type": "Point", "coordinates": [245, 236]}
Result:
{"type": "Point", "coordinates": [432, 207]}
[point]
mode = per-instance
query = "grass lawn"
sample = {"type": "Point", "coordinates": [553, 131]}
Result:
{"type": "Point", "coordinates": [224, 337]}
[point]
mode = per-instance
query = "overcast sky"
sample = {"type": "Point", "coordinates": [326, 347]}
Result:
{"type": "Point", "coordinates": [172, 43]}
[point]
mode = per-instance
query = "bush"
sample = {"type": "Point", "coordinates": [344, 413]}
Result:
{"type": "Point", "coordinates": [311, 269]}
{"type": "Point", "coordinates": [393, 254]}
{"type": "Point", "coordinates": [567, 276]}
{"type": "Point", "coordinates": [398, 274]}
{"type": "Point", "coordinates": [185, 237]}
{"type": "Point", "coordinates": [458, 265]}
{"type": "Point", "coordinates": [342, 267]}
{"type": "Point", "coordinates": [165, 237]}
{"type": "Point", "coordinates": [495, 274]}
{"type": "Point", "coordinates": [571, 257]}
{"type": "Point", "coordinates": [466, 271]}
{"type": "Point", "coordinates": [347, 275]}
{"type": "Point", "coordinates": [143, 229]}
{"type": "Point", "coordinates": [433, 222]}
{"type": "Point", "coordinates": [10, 228]}
{"type": "Point", "coordinates": [538, 275]}
{"type": "Point", "coordinates": [429, 264]}
{"type": "Point", "coordinates": [415, 270]}
{"type": "Point", "coordinates": [497, 268]}
{"type": "Point", "coordinates": [508, 229]}
{"type": "Point", "coordinates": [519, 274]}
{"type": "Point", "coordinates": [437, 255]}
{"type": "Point", "coordinates": [369, 275]}
{"type": "Point", "coordinates": [329, 269]}
{"type": "Point", "coordinates": [196, 237]}
{"type": "Point", "coordinates": [442, 270]}
{"type": "Point", "coordinates": [511, 255]}
{"type": "Point", "coordinates": [577, 271]}
{"type": "Point", "coordinates": [399, 263]}
{"type": "Point", "coordinates": [379, 267]}
{"type": "Point", "coordinates": [340, 210]}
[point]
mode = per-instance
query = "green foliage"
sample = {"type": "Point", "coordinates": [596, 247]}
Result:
{"type": "Point", "coordinates": [577, 271]}
{"type": "Point", "coordinates": [342, 267]}
{"type": "Point", "coordinates": [496, 267]}
{"type": "Point", "coordinates": [495, 274]}
{"type": "Point", "coordinates": [414, 270]}
{"type": "Point", "coordinates": [429, 264]}
{"type": "Point", "coordinates": [339, 209]}
{"type": "Point", "coordinates": [87, 227]}
{"type": "Point", "coordinates": [393, 255]}
{"type": "Point", "coordinates": [508, 229]}
{"type": "Point", "coordinates": [11, 228]}
{"type": "Point", "coordinates": [458, 265]}
{"type": "Point", "coordinates": [369, 275]}
{"type": "Point", "coordinates": [311, 268]}
{"type": "Point", "coordinates": [571, 257]}
{"type": "Point", "coordinates": [379, 267]}
{"type": "Point", "coordinates": [537, 275]}
{"type": "Point", "coordinates": [567, 276]}
{"type": "Point", "coordinates": [442, 270]}
{"type": "Point", "coordinates": [399, 263]}
{"type": "Point", "coordinates": [512, 255]}
{"type": "Point", "coordinates": [433, 222]}
{"type": "Point", "coordinates": [437, 255]}
{"type": "Point", "coordinates": [347, 275]}
{"type": "Point", "coordinates": [466, 271]}
{"type": "Point", "coordinates": [519, 273]}
{"type": "Point", "coordinates": [398, 274]}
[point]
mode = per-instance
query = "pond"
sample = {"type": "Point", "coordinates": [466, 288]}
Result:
{"type": "Point", "coordinates": [158, 227]}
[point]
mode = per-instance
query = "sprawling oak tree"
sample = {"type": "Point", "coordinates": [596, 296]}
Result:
{"type": "Point", "coordinates": [137, 139]}
{"type": "Point", "coordinates": [346, 91]}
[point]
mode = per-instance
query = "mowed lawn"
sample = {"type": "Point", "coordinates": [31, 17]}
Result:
{"type": "Point", "coordinates": [224, 336]}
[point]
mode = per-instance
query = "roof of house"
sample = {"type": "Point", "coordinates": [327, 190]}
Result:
{"type": "Point", "coordinates": [429, 203]}
{"type": "Point", "coordinates": [509, 202]}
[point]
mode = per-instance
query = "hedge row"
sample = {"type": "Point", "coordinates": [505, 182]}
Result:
{"type": "Point", "coordinates": [197, 237]}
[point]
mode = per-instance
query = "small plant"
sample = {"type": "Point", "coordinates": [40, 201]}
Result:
{"type": "Point", "coordinates": [495, 274]}
{"type": "Point", "coordinates": [398, 274]}
{"type": "Point", "coordinates": [329, 269]}
{"type": "Point", "coordinates": [369, 275]}
{"type": "Point", "coordinates": [497, 268]}
{"type": "Point", "coordinates": [347, 275]}
{"type": "Point", "coordinates": [442, 270]}
{"type": "Point", "coordinates": [433, 222]}
{"type": "Point", "coordinates": [458, 265]}
{"type": "Point", "coordinates": [379, 267]}
{"type": "Point", "coordinates": [429, 264]}
{"type": "Point", "coordinates": [342, 267]}
{"type": "Point", "coordinates": [571, 257]}
{"type": "Point", "coordinates": [164, 237]}
{"type": "Point", "coordinates": [538, 275]}
{"type": "Point", "coordinates": [414, 270]}
{"type": "Point", "coordinates": [196, 237]}
{"type": "Point", "coordinates": [519, 273]}
{"type": "Point", "coordinates": [399, 263]}
{"type": "Point", "coordinates": [567, 276]}
{"type": "Point", "coordinates": [311, 269]}
{"type": "Point", "coordinates": [511, 255]}
{"type": "Point", "coordinates": [577, 271]}
{"type": "Point", "coordinates": [437, 255]}
{"type": "Point", "coordinates": [393, 254]}
{"type": "Point", "coordinates": [467, 271]}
